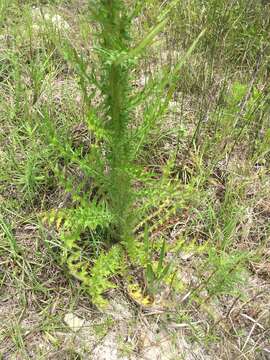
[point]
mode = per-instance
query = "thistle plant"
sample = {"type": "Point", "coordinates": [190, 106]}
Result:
{"type": "Point", "coordinates": [114, 84]}
{"type": "Point", "coordinates": [106, 209]}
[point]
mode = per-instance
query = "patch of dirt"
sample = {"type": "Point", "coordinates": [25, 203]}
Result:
{"type": "Point", "coordinates": [117, 334]}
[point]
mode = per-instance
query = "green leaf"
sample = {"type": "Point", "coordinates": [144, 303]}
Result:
{"type": "Point", "coordinates": [161, 258]}
{"type": "Point", "coordinates": [146, 243]}
{"type": "Point", "coordinates": [6, 229]}
{"type": "Point", "coordinates": [165, 271]}
{"type": "Point", "coordinates": [142, 45]}
{"type": "Point", "coordinates": [150, 275]}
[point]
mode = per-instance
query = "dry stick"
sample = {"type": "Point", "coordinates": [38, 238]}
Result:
{"type": "Point", "coordinates": [249, 301]}
{"type": "Point", "coordinates": [255, 323]}
{"type": "Point", "coordinates": [231, 309]}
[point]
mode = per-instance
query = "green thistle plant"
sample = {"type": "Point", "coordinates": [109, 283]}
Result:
{"type": "Point", "coordinates": [111, 162]}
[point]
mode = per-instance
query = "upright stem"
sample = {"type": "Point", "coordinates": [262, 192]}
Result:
{"type": "Point", "coordinates": [115, 80]}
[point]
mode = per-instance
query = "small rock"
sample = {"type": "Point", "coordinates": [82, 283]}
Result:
{"type": "Point", "coordinates": [185, 256]}
{"type": "Point", "coordinates": [73, 321]}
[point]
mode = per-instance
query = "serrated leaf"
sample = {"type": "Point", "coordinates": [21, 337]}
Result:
{"type": "Point", "coordinates": [136, 294]}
